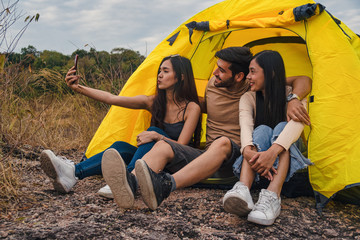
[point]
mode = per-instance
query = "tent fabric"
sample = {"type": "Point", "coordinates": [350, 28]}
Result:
{"type": "Point", "coordinates": [318, 46]}
{"type": "Point", "coordinates": [306, 11]}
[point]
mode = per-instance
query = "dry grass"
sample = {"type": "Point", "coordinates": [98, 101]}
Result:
{"type": "Point", "coordinates": [54, 123]}
{"type": "Point", "coordinates": [9, 184]}
{"type": "Point", "coordinates": [40, 114]}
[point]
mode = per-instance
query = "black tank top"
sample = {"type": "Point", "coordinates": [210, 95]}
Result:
{"type": "Point", "coordinates": [174, 129]}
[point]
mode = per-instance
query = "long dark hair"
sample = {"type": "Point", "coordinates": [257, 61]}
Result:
{"type": "Point", "coordinates": [273, 104]}
{"type": "Point", "coordinates": [184, 91]}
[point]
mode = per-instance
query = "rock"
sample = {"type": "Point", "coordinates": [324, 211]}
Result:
{"type": "Point", "coordinates": [330, 233]}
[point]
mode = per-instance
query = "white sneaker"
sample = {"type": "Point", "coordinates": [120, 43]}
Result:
{"type": "Point", "coordinates": [60, 169]}
{"type": "Point", "coordinates": [238, 200]}
{"type": "Point", "coordinates": [267, 209]}
{"type": "Point", "coordinates": [106, 192]}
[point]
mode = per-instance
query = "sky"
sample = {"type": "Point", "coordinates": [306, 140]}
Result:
{"type": "Point", "coordinates": [140, 25]}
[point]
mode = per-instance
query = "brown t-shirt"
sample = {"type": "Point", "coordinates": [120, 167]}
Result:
{"type": "Point", "coordinates": [222, 112]}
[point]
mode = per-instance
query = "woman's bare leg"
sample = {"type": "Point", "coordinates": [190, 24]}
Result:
{"type": "Point", "coordinates": [247, 175]}
{"type": "Point", "coordinates": [279, 178]}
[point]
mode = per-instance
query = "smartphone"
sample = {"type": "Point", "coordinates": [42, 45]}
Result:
{"type": "Point", "coordinates": [76, 61]}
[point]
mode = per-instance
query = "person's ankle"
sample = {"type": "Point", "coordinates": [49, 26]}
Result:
{"type": "Point", "coordinates": [246, 182]}
{"type": "Point", "coordinates": [274, 190]}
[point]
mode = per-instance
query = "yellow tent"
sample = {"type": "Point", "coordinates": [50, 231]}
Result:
{"type": "Point", "coordinates": [311, 41]}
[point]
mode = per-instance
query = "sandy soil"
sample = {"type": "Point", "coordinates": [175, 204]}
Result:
{"type": "Point", "coordinates": [191, 213]}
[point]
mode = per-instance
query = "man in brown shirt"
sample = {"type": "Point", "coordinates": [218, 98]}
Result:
{"type": "Point", "coordinates": [190, 165]}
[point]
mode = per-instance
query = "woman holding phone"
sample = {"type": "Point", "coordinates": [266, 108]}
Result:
{"type": "Point", "coordinates": [175, 116]}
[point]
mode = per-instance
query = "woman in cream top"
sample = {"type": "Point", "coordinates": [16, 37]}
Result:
{"type": "Point", "coordinates": [266, 141]}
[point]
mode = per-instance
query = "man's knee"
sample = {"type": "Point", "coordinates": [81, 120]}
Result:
{"type": "Point", "coordinates": [222, 141]}
{"type": "Point", "coordinates": [222, 144]}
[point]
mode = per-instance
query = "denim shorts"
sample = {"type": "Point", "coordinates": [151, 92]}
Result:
{"type": "Point", "coordinates": [184, 154]}
{"type": "Point", "coordinates": [263, 138]}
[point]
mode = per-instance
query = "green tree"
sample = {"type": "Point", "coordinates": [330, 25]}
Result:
{"type": "Point", "coordinates": [29, 50]}
{"type": "Point", "coordinates": [28, 56]}
{"type": "Point", "coordinates": [52, 60]}
{"type": "Point", "coordinates": [81, 52]}
{"type": "Point", "coordinates": [125, 61]}
{"type": "Point", "coordinates": [13, 58]}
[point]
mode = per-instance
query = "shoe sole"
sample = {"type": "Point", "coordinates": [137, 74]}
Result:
{"type": "Point", "coordinates": [50, 170]}
{"type": "Point", "coordinates": [236, 206]}
{"type": "Point", "coordinates": [114, 173]}
{"type": "Point", "coordinates": [146, 185]}
{"type": "Point", "coordinates": [265, 222]}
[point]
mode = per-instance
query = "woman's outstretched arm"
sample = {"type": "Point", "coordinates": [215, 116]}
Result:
{"type": "Point", "coordinates": [136, 102]}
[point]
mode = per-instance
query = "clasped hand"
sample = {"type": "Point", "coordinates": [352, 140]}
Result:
{"type": "Point", "coordinates": [261, 162]}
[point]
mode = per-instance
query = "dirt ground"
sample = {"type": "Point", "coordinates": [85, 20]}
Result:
{"type": "Point", "coordinates": [191, 213]}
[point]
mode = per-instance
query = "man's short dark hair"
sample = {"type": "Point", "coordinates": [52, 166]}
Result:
{"type": "Point", "coordinates": [239, 57]}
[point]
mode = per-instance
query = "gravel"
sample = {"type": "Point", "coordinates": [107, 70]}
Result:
{"type": "Point", "coordinates": [190, 213]}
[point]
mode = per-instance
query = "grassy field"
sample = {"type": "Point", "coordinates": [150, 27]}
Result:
{"type": "Point", "coordinates": [38, 110]}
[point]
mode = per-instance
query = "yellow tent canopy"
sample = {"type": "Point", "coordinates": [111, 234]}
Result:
{"type": "Point", "coordinates": [311, 41]}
